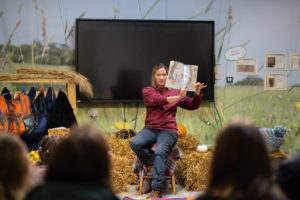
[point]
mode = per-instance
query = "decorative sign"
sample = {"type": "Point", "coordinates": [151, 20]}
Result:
{"type": "Point", "coordinates": [235, 53]}
{"type": "Point", "coordinates": [275, 82]}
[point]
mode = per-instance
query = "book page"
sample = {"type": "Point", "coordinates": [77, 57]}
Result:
{"type": "Point", "coordinates": [182, 76]}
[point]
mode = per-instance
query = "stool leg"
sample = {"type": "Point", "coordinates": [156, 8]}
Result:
{"type": "Point", "coordinates": [173, 184]}
{"type": "Point", "coordinates": [141, 185]}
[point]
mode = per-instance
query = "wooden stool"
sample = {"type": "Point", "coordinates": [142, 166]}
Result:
{"type": "Point", "coordinates": [172, 177]}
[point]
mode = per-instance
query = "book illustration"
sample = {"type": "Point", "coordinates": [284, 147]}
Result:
{"type": "Point", "coordinates": [182, 76]}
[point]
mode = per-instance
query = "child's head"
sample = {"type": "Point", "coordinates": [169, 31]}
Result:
{"type": "Point", "coordinates": [81, 158]}
{"type": "Point", "coordinates": [273, 137]}
{"type": "Point", "coordinates": [47, 146]}
{"type": "Point", "coordinates": [14, 167]}
{"type": "Point", "coordinates": [240, 161]}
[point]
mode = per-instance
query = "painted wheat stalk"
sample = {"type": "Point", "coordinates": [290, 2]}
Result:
{"type": "Point", "coordinates": [35, 4]}
{"type": "Point", "coordinates": [21, 55]}
{"type": "Point", "coordinates": [149, 10]}
{"type": "Point", "coordinates": [20, 8]}
{"type": "Point", "coordinates": [44, 33]}
{"type": "Point", "coordinates": [3, 61]}
{"type": "Point", "coordinates": [47, 47]}
{"type": "Point", "coordinates": [73, 27]}
{"type": "Point", "coordinates": [115, 12]}
{"type": "Point", "coordinates": [4, 57]}
{"type": "Point", "coordinates": [32, 54]}
{"type": "Point", "coordinates": [208, 8]}
{"type": "Point", "coordinates": [230, 16]}
{"type": "Point", "coordinates": [10, 37]}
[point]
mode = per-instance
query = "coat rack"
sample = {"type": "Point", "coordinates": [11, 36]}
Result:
{"type": "Point", "coordinates": [70, 88]}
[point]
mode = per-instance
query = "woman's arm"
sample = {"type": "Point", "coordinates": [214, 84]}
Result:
{"type": "Point", "coordinates": [180, 96]}
{"type": "Point", "coordinates": [153, 98]}
{"type": "Point", "coordinates": [193, 103]}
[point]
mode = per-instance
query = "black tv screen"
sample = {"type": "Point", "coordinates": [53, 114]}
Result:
{"type": "Point", "coordinates": [117, 56]}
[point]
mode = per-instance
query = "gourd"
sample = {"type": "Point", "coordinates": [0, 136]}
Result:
{"type": "Point", "coordinates": [181, 130]}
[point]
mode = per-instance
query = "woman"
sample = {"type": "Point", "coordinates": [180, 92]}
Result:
{"type": "Point", "coordinates": [78, 169]}
{"type": "Point", "coordinates": [240, 167]}
{"type": "Point", "coordinates": [15, 170]}
{"type": "Point", "coordinates": [160, 123]}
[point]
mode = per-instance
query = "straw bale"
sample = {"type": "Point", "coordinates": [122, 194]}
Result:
{"type": "Point", "coordinates": [122, 160]}
{"type": "Point", "coordinates": [193, 170]}
{"type": "Point", "coordinates": [121, 147]}
{"type": "Point", "coordinates": [121, 174]}
{"type": "Point", "coordinates": [188, 143]}
{"type": "Point", "coordinates": [37, 73]}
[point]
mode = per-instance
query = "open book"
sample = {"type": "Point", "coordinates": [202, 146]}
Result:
{"type": "Point", "coordinates": [182, 76]}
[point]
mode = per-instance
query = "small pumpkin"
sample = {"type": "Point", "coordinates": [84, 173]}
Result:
{"type": "Point", "coordinates": [181, 130]}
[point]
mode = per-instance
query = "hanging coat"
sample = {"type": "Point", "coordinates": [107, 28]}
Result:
{"type": "Point", "coordinates": [61, 114]}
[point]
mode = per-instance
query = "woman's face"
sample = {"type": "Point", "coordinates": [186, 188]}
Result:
{"type": "Point", "coordinates": [160, 77]}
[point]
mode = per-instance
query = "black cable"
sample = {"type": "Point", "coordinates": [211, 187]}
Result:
{"type": "Point", "coordinates": [124, 116]}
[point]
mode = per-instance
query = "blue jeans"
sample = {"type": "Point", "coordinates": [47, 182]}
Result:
{"type": "Point", "coordinates": [141, 145]}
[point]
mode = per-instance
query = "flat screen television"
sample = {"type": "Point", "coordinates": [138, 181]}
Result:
{"type": "Point", "coordinates": [117, 56]}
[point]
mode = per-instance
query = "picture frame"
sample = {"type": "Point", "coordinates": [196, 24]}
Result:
{"type": "Point", "coordinates": [246, 66]}
{"type": "Point", "coordinates": [275, 61]}
{"type": "Point", "coordinates": [295, 61]}
{"type": "Point", "coordinates": [275, 82]}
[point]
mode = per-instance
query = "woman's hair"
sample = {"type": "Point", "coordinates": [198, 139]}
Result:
{"type": "Point", "coordinates": [47, 147]}
{"type": "Point", "coordinates": [14, 167]}
{"type": "Point", "coordinates": [81, 158]}
{"type": "Point", "coordinates": [240, 166]}
{"type": "Point", "coordinates": [155, 68]}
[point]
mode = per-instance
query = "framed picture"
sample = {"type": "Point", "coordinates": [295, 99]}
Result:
{"type": "Point", "coordinates": [275, 82]}
{"type": "Point", "coordinates": [295, 61]}
{"type": "Point", "coordinates": [246, 66]}
{"type": "Point", "coordinates": [275, 62]}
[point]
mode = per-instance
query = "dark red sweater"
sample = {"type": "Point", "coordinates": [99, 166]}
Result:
{"type": "Point", "coordinates": [162, 115]}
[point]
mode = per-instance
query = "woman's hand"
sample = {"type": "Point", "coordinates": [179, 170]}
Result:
{"type": "Point", "coordinates": [181, 95]}
{"type": "Point", "coordinates": [199, 86]}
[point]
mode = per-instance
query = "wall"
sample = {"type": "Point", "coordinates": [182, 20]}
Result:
{"type": "Point", "coordinates": [41, 34]}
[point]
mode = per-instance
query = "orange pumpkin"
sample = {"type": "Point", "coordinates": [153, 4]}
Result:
{"type": "Point", "coordinates": [181, 130]}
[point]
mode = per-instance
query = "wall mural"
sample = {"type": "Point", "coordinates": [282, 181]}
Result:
{"type": "Point", "coordinates": [254, 42]}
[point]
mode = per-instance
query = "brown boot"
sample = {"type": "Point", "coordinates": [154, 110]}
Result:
{"type": "Point", "coordinates": [155, 193]}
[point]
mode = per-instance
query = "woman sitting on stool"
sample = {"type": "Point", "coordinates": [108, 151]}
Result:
{"type": "Point", "coordinates": [160, 124]}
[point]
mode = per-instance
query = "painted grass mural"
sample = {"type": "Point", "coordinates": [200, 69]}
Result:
{"type": "Point", "coordinates": [264, 108]}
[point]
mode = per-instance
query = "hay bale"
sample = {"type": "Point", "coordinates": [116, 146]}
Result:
{"type": "Point", "coordinates": [121, 173]}
{"type": "Point", "coordinates": [187, 144]}
{"type": "Point", "coordinates": [38, 73]}
{"type": "Point", "coordinates": [122, 159]}
{"type": "Point", "coordinates": [193, 170]}
{"type": "Point", "coordinates": [121, 147]}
